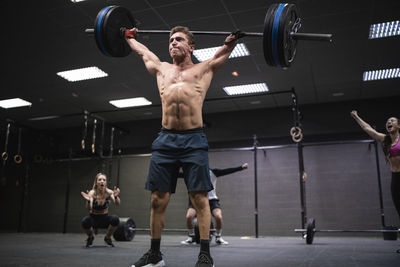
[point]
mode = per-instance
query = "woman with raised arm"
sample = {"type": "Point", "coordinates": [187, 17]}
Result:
{"type": "Point", "coordinates": [98, 201]}
{"type": "Point", "coordinates": [391, 148]}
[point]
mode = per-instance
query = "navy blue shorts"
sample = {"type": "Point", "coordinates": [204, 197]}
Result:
{"type": "Point", "coordinates": [173, 150]}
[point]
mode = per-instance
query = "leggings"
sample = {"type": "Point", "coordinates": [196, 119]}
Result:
{"type": "Point", "coordinates": [395, 187]}
{"type": "Point", "coordinates": [99, 221]}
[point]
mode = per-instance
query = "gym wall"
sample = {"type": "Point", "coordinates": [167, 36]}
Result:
{"type": "Point", "coordinates": [341, 191]}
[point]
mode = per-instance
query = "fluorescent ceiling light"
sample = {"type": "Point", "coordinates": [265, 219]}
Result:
{"type": "Point", "coordinates": [14, 103]}
{"type": "Point", "coordinates": [240, 50]}
{"type": "Point", "coordinates": [130, 102]}
{"type": "Point", "coordinates": [82, 74]}
{"type": "Point", "coordinates": [246, 89]}
{"type": "Point", "coordinates": [385, 29]}
{"type": "Point", "coordinates": [381, 74]}
{"type": "Point", "coordinates": [76, 1]}
{"type": "Point", "coordinates": [44, 118]}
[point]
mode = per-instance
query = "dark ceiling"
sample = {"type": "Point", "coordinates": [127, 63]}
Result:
{"type": "Point", "coordinates": [41, 38]}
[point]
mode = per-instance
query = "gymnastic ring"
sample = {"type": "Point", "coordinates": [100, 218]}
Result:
{"type": "Point", "coordinates": [18, 158]}
{"type": "Point", "coordinates": [295, 131]}
{"type": "Point", "coordinates": [297, 138]}
{"type": "Point", "coordinates": [4, 156]}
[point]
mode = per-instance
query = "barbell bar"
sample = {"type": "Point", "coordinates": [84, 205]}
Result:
{"type": "Point", "coordinates": [347, 231]}
{"type": "Point", "coordinates": [171, 230]}
{"type": "Point", "coordinates": [127, 229]}
{"type": "Point", "coordinates": [310, 231]}
{"type": "Point", "coordinates": [280, 33]}
{"type": "Point", "coordinates": [296, 35]}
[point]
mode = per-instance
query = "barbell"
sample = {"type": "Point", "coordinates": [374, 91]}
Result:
{"type": "Point", "coordinates": [389, 232]}
{"type": "Point", "coordinates": [280, 35]}
{"type": "Point", "coordinates": [127, 229]}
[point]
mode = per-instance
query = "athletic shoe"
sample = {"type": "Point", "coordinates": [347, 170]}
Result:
{"type": "Point", "coordinates": [150, 259]}
{"type": "Point", "coordinates": [188, 241]}
{"type": "Point", "coordinates": [108, 241]}
{"type": "Point", "coordinates": [89, 241]}
{"type": "Point", "coordinates": [220, 241]}
{"type": "Point", "coordinates": [204, 261]}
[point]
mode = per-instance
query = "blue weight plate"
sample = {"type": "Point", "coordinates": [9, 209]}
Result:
{"type": "Point", "coordinates": [267, 34]}
{"type": "Point", "coordinates": [98, 29]}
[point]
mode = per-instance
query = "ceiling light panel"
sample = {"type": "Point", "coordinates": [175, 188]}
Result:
{"type": "Point", "coordinates": [384, 74]}
{"type": "Point", "coordinates": [240, 50]}
{"type": "Point", "coordinates": [130, 102]}
{"type": "Point", "coordinates": [246, 89]}
{"type": "Point", "coordinates": [14, 103]}
{"type": "Point", "coordinates": [82, 74]}
{"type": "Point", "coordinates": [386, 29]}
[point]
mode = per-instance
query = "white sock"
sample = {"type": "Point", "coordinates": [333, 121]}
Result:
{"type": "Point", "coordinates": [191, 232]}
{"type": "Point", "coordinates": [218, 232]}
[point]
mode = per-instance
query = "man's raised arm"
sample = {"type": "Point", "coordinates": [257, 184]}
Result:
{"type": "Point", "coordinates": [222, 54]}
{"type": "Point", "coordinates": [151, 61]}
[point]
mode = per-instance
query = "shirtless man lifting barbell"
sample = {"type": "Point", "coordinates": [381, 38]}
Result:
{"type": "Point", "coordinates": [182, 142]}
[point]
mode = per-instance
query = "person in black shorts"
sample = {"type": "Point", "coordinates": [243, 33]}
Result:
{"type": "Point", "coordinates": [182, 87]}
{"type": "Point", "coordinates": [215, 207]}
{"type": "Point", "coordinates": [97, 201]}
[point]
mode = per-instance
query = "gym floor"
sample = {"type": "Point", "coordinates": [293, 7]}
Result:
{"type": "Point", "coordinates": [50, 249]}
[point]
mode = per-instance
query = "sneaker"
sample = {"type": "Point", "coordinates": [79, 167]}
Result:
{"type": "Point", "coordinates": [89, 241]}
{"type": "Point", "coordinates": [108, 241]}
{"type": "Point", "coordinates": [150, 259]}
{"type": "Point", "coordinates": [188, 241]}
{"type": "Point", "coordinates": [220, 241]}
{"type": "Point", "coordinates": [204, 261]}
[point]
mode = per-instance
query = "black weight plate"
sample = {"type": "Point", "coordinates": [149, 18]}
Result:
{"type": "Point", "coordinates": [119, 233]}
{"type": "Point", "coordinates": [269, 18]}
{"type": "Point", "coordinates": [114, 43]}
{"type": "Point", "coordinates": [310, 231]}
{"type": "Point", "coordinates": [292, 43]}
{"type": "Point", "coordinates": [286, 44]}
{"type": "Point", "coordinates": [129, 232]}
{"type": "Point", "coordinates": [281, 36]}
{"type": "Point", "coordinates": [125, 230]}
